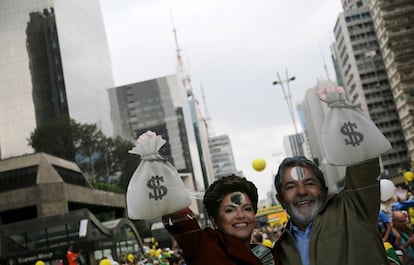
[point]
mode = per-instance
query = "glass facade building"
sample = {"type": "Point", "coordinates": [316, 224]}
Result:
{"type": "Point", "coordinates": [222, 156]}
{"type": "Point", "coordinates": [54, 60]}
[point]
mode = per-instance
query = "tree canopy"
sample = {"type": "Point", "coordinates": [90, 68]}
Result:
{"type": "Point", "coordinates": [102, 159]}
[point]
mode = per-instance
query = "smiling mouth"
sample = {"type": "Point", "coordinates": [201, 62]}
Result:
{"type": "Point", "coordinates": [240, 225]}
{"type": "Point", "coordinates": [303, 203]}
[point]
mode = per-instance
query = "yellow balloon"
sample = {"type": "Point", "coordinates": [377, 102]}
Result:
{"type": "Point", "coordinates": [39, 262]}
{"type": "Point", "coordinates": [268, 243]}
{"type": "Point", "coordinates": [259, 164]}
{"type": "Point", "coordinates": [105, 262]}
{"type": "Point", "coordinates": [130, 258]}
{"type": "Point", "coordinates": [408, 176]}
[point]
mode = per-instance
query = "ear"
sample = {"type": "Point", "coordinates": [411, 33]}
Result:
{"type": "Point", "coordinates": [280, 200]}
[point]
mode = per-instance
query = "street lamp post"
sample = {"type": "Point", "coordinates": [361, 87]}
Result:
{"type": "Point", "coordinates": [287, 95]}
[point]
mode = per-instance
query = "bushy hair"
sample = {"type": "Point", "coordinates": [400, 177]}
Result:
{"type": "Point", "coordinates": [224, 185]}
{"type": "Point", "coordinates": [298, 161]}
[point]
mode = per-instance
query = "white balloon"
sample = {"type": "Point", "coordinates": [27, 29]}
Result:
{"type": "Point", "coordinates": [387, 189]}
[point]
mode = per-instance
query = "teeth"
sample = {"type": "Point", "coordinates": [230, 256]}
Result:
{"type": "Point", "coordinates": [302, 202]}
{"type": "Point", "coordinates": [241, 225]}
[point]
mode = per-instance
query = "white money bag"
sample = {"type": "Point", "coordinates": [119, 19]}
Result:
{"type": "Point", "coordinates": [347, 136]}
{"type": "Point", "coordinates": [155, 188]}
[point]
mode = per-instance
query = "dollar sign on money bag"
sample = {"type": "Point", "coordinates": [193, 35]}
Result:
{"type": "Point", "coordinates": [158, 191]}
{"type": "Point", "coordinates": [355, 138]}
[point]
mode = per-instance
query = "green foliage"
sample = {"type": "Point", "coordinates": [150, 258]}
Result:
{"type": "Point", "coordinates": [55, 137]}
{"type": "Point", "coordinates": [103, 159]}
{"type": "Point", "coordinates": [127, 164]}
{"type": "Point", "coordinates": [107, 187]}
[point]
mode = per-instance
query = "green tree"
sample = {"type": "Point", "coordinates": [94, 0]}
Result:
{"type": "Point", "coordinates": [125, 162]}
{"type": "Point", "coordinates": [103, 159]}
{"type": "Point", "coordinates": [55, 137]}
{"type": "Point", "coordinates": [116, 161]}
{"type": "Point", "coordinates": [89, 144]}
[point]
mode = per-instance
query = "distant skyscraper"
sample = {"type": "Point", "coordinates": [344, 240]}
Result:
{"type": "Point", "coordinates": [45, 63]}
{"type": "Point", "coordinates": [293, 144]}
{"type": "Point", "coordinates": [349, 5]}
{"type": "Point", "coordinates": [394, 25]}
{"type": "Point", "coordinates": [54, 60]}
{"type": "Point", "coordinates": [200, 125]}
{"type": "Point", "coordinates": [222, 156]}
{"type": "Point", "coordinates": [363, 72]}
{"type": "Point", "coordinates": [159, 105]}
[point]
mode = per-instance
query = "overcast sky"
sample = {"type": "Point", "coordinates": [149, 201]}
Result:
{"type": "Point", "coordinates": [232, 48]}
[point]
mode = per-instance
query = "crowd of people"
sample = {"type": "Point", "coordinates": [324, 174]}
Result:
{"type": "Point", "coordinates": [396, 230]}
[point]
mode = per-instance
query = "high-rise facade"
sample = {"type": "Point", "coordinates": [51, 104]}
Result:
{"type": "Point", "coordinates": [54, 61]}
{"type": "Point", "coordinates": [222, 156]}
{"type": "Point", "coordinates": [349, 5]}
{"type": "Point", "coordinates": [394, 26]}
{"type": "Point", "coordinates": [293, 144]}
{"type": "Point", "coordinates": [159, 105]}
{"type": "Point", "coordinates": [362, 70]}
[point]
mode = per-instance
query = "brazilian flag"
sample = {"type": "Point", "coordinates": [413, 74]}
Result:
{"type": "Point", "coordinates": [391, 255]}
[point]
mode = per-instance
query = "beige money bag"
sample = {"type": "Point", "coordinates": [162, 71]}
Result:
{"type": "Point", "coordinates": [347, 136]}
{"type": "Point", "coordinates": [155, 188]}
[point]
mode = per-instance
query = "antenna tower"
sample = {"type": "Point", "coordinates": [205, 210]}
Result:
{"type": "Point", "coordinates": [210, 128]}
{"type": "Point", "coordinates": [185, 78]}
{"type": "Point", "coordinates": [324, 63]}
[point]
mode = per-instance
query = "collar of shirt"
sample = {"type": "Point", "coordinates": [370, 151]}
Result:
{"type": "Point", "coordinates": [302, 241]}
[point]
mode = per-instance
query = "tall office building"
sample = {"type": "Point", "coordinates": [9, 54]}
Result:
{"type": "Point", "coordinates": [222, 156]}
{"type": "Point", "coordinates": [54, 61]}
{"type": "Point", "coordinates": [363, 72]}
{"type": "Point", "coordinates": [348, 5]}
{"type": "Point", "coordinates": [159, 105]}
{"type": "Point", "coordinates": [293, 144]}
{"type": "Point", "coordinates": [394, 26]}
{"type": "Point", "coordinates": [200, 125]}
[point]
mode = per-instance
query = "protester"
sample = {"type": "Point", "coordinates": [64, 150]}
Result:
{"type": "Point", "coordinates": [339, 228]}
{"type": "Point", "coordinates": [385, 228]}
{"type": "Point", "coordinates": [277, 232]}
{"type": "Point", "coordinates": [392, 256]}
{"type": "Point", "coordinates": [257, 238]}
{"type": "Point", "coordinates": [71, 256]}
{"type": "Point", "coordinates": [405, 238]}
{"type": "Point", "coordinates": [388, 237]}
{"type": "Point", "coordinates": [130, 259]}
{"type": "Point", "coordinates": [231, 203]}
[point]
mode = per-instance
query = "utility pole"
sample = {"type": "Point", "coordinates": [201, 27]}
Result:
{"type": "Point", "coordinates": [287, 95]}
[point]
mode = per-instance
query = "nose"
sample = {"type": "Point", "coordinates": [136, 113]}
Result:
{"type": "Point", "coordinates": [301, 189]}
{"type": "Point", "coordinates": [239, 213]}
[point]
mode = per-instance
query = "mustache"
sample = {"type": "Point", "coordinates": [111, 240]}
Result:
{"type": "Point", "coordinates": [302, 199]}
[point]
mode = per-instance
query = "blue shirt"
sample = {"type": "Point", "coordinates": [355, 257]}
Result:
{"type": "Point", "coordinates": [302, 241]}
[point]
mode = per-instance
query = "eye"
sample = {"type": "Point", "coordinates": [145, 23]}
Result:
{"type": "Point", "coordinates": [248, 208]}
{"type": "Point", "coordinates": [310, 182]}
{"type": "Point", "coordinates": [228, 210]}
{"type": "Point", "coordinates": [289, 185]}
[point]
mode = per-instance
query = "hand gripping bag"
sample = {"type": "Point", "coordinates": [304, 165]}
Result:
{"type": "Point", "coordinates": [347, 136]}
{"type": "Point", "coordinates": [155, 188]}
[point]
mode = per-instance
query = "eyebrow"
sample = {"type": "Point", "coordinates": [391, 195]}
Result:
{"type": "Point", "coordinates": [232, 205]}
